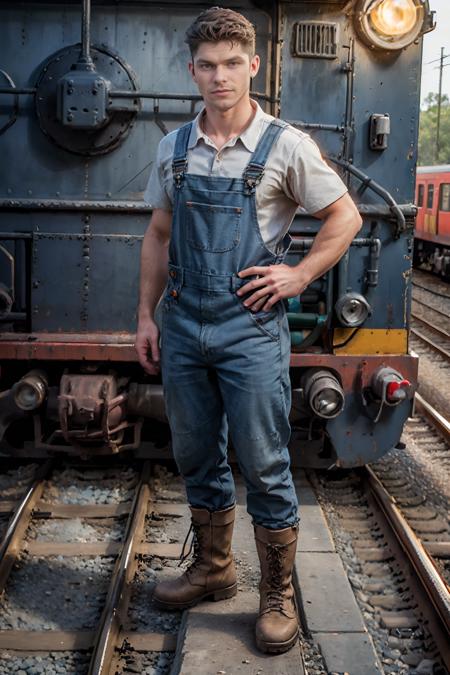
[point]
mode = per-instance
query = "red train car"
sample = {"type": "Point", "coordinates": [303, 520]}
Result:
{"type": "Point", "coordinates": [432, 236]}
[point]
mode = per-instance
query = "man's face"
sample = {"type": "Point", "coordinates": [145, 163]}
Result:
{"type": "Point", "coordinates": [222, 72]}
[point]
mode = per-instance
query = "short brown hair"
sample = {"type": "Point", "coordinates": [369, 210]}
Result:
{"type": "Point", "coordinates": [217, 24]}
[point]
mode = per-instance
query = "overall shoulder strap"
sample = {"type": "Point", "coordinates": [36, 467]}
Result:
{"type": "Point", "coordinates": [179, 160]}
{"type": "Point", "coordinates": [255, 168]}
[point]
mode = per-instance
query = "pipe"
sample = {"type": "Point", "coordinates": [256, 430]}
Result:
{"type": "Point", "coordinates": [368, 182]}
{"type": "Point", "coordinates": [343, 274]}
{"type": "Point", "coordinates": [317, 126]}
{"type": "Point", "coordinates": [85, 53]}
{"type": "Point", "coordinates": [372, 272]}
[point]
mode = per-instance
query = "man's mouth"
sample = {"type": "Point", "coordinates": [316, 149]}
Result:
{"type": "Point", "coordinates": [221, 91]}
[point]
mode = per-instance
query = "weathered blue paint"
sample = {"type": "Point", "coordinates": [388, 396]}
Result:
{"type": "Point", "coordinates": [79, 271]}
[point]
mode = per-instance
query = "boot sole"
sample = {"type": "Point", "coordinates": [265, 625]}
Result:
{"type": "Point", "coordinates": [276, 647]}
{"type": "Point", "coordinates": [215, 596]}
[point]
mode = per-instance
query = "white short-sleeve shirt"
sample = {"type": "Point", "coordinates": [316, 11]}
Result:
{"type": "Point", "coordinates": [295, 173]}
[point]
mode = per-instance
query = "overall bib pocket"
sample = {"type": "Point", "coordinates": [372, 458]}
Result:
{"type": "Point", "coordinates": [212, 228]}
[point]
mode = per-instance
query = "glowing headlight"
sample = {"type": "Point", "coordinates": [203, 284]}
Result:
{"type": "Point", "coordinates": [394, 17]}
{"type": "Point", "coordinates": [392, 24]}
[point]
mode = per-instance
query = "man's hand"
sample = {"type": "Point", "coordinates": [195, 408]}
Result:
{"type": "Point", "coordinates": [341, 222]}
{"type": "Point", "coordinates": [147, 345]}
{"type": "Point", "coordinates": [274, 283]}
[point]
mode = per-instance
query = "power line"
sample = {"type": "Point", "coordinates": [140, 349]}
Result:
{"type": "Point", "coordinates": [435, 60]}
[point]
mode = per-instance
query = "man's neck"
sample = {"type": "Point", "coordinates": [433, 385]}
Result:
{"type": "Point", "coordinates": [221, 126]}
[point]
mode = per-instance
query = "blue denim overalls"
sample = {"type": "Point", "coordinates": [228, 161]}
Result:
{"type": "Point", "coordinates": [224, 367]}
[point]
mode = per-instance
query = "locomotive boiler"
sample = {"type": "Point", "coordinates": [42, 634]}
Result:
{"type": "Point", "coordinates": [86, 93]}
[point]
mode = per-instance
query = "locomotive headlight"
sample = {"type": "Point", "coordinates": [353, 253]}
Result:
{"type": "Point", "coordinates": [394, 17]}
{"type": "Point", "coordinates": [323, 393]}
{"type": "Point", "coordinates": [327, 402]}
{"type": "Point", "coordinates": [30, 391]}
{"type": "Point", "coordinates": [392, 24]}
{"type": "Point", "coordinates": [352, 309]}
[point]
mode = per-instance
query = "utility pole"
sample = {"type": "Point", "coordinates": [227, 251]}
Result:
{"type": "Point", "coordinates": [438, 123]}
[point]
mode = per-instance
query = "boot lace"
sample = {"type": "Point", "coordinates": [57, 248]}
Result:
{"type": "Point", "coordinates": [274, 557]}
{"type": "Point", "coordinates": [195, 546]}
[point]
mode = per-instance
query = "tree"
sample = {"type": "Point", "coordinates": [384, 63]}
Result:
{"type": "Point", "coordinates": [428, 128]}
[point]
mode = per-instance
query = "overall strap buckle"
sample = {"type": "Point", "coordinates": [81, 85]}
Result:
{"type": "Point", "coordinates": [179, 161]}
{"type": "Point", "coordinates": [254, 170]}
{"type": "Point", "coordinates": [179, 167]}
{"type": "Point", "coordinates": [252, 177]}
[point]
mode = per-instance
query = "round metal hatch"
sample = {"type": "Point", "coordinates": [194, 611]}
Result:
{"type": "Point", "coordinates": [87, 142]}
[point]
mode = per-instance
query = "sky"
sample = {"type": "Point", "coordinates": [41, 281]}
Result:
{"type": "Point", "coordinates": [432, 43]}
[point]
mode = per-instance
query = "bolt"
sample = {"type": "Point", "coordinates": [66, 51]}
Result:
{"type": "Point", "coordinates": [69, 117]}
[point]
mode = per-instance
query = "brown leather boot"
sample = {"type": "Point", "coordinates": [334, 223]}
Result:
{"type": "Point", "coordinates": [277, 624]}
{"type": "Point", "coordinates": [211, 574]}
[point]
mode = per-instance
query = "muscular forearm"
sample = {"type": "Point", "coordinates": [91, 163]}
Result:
{"type": "Point", "coordinates": [154, 261]}
{"type": "Point", "coordinates": [341, 221]}
{"type": "Point", "coordinates": [330, 244]}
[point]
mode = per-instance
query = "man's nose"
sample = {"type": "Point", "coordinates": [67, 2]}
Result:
{"type": "Point", "coordinates": [220, 74]}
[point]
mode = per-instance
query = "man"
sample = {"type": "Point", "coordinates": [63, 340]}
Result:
{"type": "Point", "coordinates": [225, 190]}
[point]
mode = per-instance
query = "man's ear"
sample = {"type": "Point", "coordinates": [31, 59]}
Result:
{"type": "Point", "coordinates": [254, 65]}
{"type": "Point", "coordinates": [192, 70]}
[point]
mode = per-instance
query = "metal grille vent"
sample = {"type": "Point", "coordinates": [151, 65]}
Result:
{"type": "Point", "coordinates": [315, 40]}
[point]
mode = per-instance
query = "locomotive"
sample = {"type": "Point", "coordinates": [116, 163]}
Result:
{"type": "Point", "coordinates": [86, 94]}
{"type": "Point", "coordinates": [432, 240]}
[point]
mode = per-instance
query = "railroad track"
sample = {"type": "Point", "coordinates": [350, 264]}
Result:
{"type": "Point", "coordinates": [430, 323]}
{"type": "Point", "coordinates": [430, 336]}
{"type": "Point", "coordinates": [400, 540]}
{"type": "Point", "coordinates": [432, 290]}
{"type": "Point", "coordinates": [128, 632]}
{"type": "Point", "coordinates": [430, 282]}
{"type": "Point", "coordinates": [432, 299]}
{"type": "Point", "coordinates": [438, 314]}
{"type": "Point", "coordinates": [95, 596]}
{"type": "Point", "coordinates": [111, 641]}
{"type": "Point", "coordinates": [430, 339]}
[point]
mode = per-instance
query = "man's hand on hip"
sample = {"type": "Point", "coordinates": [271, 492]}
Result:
{"type": "Point", "coordinates": [147, 346]}
{"type": "Point", "coordinates": [274, 283]}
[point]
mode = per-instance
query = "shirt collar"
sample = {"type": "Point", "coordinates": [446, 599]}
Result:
{"type": "Point", "coordinates": [249, 137]}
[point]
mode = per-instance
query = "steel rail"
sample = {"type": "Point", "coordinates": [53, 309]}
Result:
{"type": "Point", "coordinates": [116, 600]}
{"type": "Point", "coordinates": [439, 350]}
{"type": "Point", "coordinates": [439, 331]}
{"type": "Point", "coordinates": [18, 524]}
{"type": "Point", "coordinates": [437, 420]}
{"type": "Point", "coordinates": [430, 580]}
{"type": "Point", "coordinates": [433, 309]}
{"type": "Point", "coordinates": [430, 290]}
